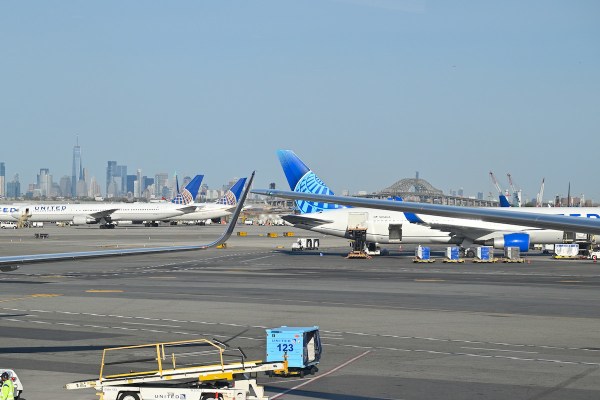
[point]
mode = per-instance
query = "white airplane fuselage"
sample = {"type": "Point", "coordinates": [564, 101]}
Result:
{"type": "Point", "coordinates": [387, 227]}
{"type": "Point", "coordinates": [84, 213]}
{"type": "Point", "coordinates": [205, 211]}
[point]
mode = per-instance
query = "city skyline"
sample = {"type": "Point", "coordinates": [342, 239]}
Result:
{"type": "Point", "coordinates": [365, 91]}
{"type": "Point", "coordinates": [119, 184]}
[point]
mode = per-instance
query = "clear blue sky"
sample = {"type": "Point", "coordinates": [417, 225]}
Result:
{"type": "Point", "coordinates": [452, 89]}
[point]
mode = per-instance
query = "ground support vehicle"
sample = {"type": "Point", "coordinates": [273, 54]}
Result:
{"type": "Point", "coordinates": [299, 347]}
{"type": "Point", "coordinates": [16, 381]}
{"type": "Point", "coordinates": [423, 255]}
{"type": "Point", "coordinates": [512, 255]}
{"type": "Point", "coordinates": [305, 244]}
{"type": "Point", "coordinates": [191, 370]}
{"type": "Point", "coordinates": [568, 251]}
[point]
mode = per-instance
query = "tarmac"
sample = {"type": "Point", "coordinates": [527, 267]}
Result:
{"type": "Point", "coordinates": [391, 329]}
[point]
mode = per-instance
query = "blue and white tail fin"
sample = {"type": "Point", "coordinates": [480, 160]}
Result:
{"type": "Point", "coordinates": [504, 201]}
{"type": "Point", "coordinates": [232, 196]}
{"type": "Point", "coordinates": [301, 179]}
{"type": "Point", "coordinates": [189, 192]}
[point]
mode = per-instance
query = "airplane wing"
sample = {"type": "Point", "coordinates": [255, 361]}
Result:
{"type": "Point", "coordinates": [9, 263]}
{"type": "Point", "coordinates": [187, 209]}
{"type": "Point", "coordinates": [103, 213]}
{"type": "Point", "coordinates": [303, 221]}
{"type": "Point", "coordinates": [545, 221]}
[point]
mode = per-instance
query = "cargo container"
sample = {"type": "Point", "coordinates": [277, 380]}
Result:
{"type": "Point", "coordinates": [485, 253]}
{"type": "Point", "coordinates": [423, 253]}
{"type": "Point", "coordinates": [300, 346]}
{"type": "Point", "coordinates": [452, 253]}
{"type": "Point", "coordinates": [566, 250]}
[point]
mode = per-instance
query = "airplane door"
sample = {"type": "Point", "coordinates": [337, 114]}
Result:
{"type": "Point", "coordinates": [395, 233]}
{"type": "Point", "coordinates": [357, 220]}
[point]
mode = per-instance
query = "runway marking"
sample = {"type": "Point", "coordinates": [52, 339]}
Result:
{"type": "Point", "coordinates": [258, 258]}
{"type": "Point", "coordinates": [323, 332]}
{"type": "Point", "coordinates": [103, 291]}
{"type": "Point", "coordinates": [141, 323]}
{"type": "Point", "coordinates": [162, 277]}
{"type": "Point", "coordinates": [510, 351]}
{"type": "Point", "coordinates": [321, 375]}
{"type": "Point", "coordinates": [29, 297]}
{"type": "Point", "coordinates": [430, 280]}
{"type": "Point", "coordinates": [570, 281]}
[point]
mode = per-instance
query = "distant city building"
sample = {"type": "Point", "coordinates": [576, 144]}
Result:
{"type": "Point", "coordinates": [160, 182]}
{"type": "Point", "coordinates": [130, 187]}
{"type": "Point", "coordinates": [111, 170]}
{"type": "Point", "coordinates": [44, 183]}
{"type": "Point", "coordinates": [461, 192]}
{"type": "Point", "coordinates": [2, 180]}
{"type": "Point", "coordinates": [272, 185]}
{"type": "Point", "coordinates": [147, 182]}
{"type": "Point", "coordinates": [138, 192]}
{"type": "Point", "coordinates": [121, 178]}
{"type": "Point", "coordinates": [479, 195]}
{"type": "Point", "coordinates": [65, 185]}
{"type": "Point", "coordinates": [76, 171]}
{"type": "Point", "coordinates": [13, 188]}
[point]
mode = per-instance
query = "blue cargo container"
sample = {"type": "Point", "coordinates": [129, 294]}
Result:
{"type": "Point", "coordinates": [302, 345]}
{"type": "Point", "coordinates": [485, 253]}
{"type": "Point", "coordinates": [423, 253]}
{"type": "Point", "coordinates": [452, 253]}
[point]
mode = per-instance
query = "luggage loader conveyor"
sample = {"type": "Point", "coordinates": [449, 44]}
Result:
{"type": "Point", "coordinates": [180, 370]}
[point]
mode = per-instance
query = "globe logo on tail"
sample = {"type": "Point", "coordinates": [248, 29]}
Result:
{"type": "Point", "coordinates": [310, 183]}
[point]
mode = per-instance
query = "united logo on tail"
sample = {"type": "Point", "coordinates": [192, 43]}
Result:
{"type": "Point", "coordinates": [301, 179]}
{"type": "Point", "coordinates": [189, 192]}
{"type": "Point", "coordinates": [232, 196]}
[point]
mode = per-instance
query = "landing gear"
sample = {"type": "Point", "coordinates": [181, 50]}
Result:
{"type": "Point", "coordinates": [151, 224]}
{"type": "Point", "coordinates": [468, 252]}
{"type": "Point", "coordinates": [107, 226]}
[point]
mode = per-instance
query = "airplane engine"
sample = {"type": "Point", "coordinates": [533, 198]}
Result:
{"type": "Point", "coordinates": [83, 220]}
{"type": "Point", "coordinates": [520, 240]}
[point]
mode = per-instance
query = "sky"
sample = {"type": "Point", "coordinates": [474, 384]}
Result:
{"type": "Point", "coordinates": [366, 92]}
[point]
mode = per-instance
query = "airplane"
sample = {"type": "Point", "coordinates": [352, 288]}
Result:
{"type": "Point", "coordinates": [11, 263]}
{"type": "Point", "coordinates": [220, 208]}
{"type": "Point", "coordinates": [415, 223]}
{"type": "Point", "coordinates": [6, 211]}
{"type": "Point", "coordinates": [108, 214]}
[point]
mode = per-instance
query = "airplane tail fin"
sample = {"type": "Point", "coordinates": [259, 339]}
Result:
{"type": "Point", "coordinates": [232, 196]}
{"type": "Point", "coordinates": [504, 201]}
{"type": "Point", "coordinates": [189, 192]}
{"type": "Point", "coordinates": [301, 179]}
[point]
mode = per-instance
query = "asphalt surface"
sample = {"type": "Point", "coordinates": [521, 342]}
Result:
{"type": "Point", "coordinates": [391, 329]}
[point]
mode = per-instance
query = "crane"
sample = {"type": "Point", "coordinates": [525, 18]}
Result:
{"type": "Point", "coordinates": [539, 201]}
{"type": "Point", "coordinates": [503, 201]}
{"type": "Point", "coordinates": [516, 194]}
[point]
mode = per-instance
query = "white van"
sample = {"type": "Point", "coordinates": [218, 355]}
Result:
{"type": "Point", "coordinates": [8, 225]}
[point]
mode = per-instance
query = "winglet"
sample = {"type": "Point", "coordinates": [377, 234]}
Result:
{"type": "Point", "coordinates": [234, 217]}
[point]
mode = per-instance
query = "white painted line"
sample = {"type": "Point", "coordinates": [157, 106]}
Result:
{"type": "Point", "coordinates": [141, 323]}
{"type": "Point", "coordinates": [510, 351]}
{"type": "Point", "coordinates": [322, 375]}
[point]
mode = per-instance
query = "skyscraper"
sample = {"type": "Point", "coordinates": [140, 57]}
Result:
{"type": "Point", "coordinates": [111, 170]}
{"type": "Point", "coordinates": [2, 180]}
{"type": "Point", "coordinates": [140, 189]}
{"type": "Point", "coordinates": [77, 170]}
{"type": "Point", "coordinates": [13, 189]}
